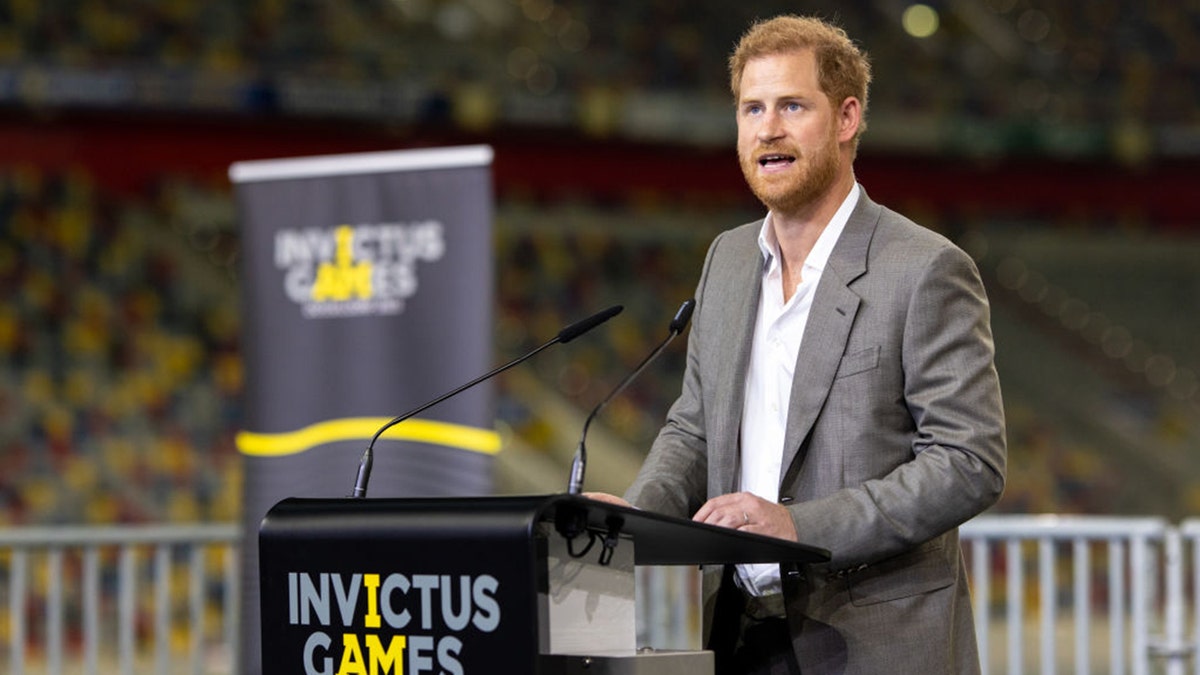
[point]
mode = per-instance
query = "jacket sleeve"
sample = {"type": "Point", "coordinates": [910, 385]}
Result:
{"type": "Point", "coordinates": [956, 463]}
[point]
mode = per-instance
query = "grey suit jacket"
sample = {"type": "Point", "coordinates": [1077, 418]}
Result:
{"type": "Point", "coordinates": [895, 436]}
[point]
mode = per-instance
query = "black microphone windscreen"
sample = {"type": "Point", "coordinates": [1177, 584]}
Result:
{"type": "Point", "coordinates": [584, 325]}
{"type": "Point", "coordinates": [682, 316]}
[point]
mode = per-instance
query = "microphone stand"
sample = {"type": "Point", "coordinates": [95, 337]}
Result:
{"type": "Point", "coordinates": [579, 463]}
{"type": "Point", "coordinates": [363, 476]}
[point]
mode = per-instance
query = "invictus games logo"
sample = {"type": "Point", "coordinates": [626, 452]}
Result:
{"type": "Point", "coordinates": [368, 624]}
{"type": "Point", "coordinates": [360, 270]}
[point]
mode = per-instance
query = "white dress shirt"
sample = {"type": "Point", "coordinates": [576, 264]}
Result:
{"type": "Point", "coordinates": [778, 330]}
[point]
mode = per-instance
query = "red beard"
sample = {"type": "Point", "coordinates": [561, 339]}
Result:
{"type": "Point", "coordinates": [810, 177]}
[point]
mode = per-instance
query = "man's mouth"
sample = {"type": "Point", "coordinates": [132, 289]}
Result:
{"type": "Point", "coordinates": [772, 160]}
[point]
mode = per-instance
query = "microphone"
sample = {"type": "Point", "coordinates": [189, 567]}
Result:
{"type": "Point", "coordinates": [579, 464]}
{"type": "Point", "coordinates": [564, 336]}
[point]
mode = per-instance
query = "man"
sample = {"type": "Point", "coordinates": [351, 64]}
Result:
{"type": "Point", "coordinates": [839, 391]}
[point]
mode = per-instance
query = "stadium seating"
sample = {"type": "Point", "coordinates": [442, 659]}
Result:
{"type": "Point", "coordinates": [123, 376]}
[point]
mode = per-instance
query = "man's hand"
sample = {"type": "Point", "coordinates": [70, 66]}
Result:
{"type": "Point", "coordinates": [607, 498]}
{"type": "Point", "coordinates": [748, 513]}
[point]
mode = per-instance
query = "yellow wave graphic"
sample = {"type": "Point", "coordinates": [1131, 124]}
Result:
{"type": "Point", "coordinates": [458, 436]}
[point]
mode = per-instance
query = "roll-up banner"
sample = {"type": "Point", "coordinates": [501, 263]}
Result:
{"type": "Point", "coordinates": [367, 290]}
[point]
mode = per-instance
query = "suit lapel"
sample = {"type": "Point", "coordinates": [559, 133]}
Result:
{"type": "Point", "coordinates": [830, 319]}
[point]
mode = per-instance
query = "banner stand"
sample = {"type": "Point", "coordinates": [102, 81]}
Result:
{"type": "Point", "coordinates": [367, 284]}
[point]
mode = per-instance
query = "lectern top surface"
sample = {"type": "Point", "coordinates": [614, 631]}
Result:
{"type": "Point", "coordinates": [659, 539]}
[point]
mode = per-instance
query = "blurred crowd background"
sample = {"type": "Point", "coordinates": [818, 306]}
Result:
{"type": "Point", "coordinates": [1057, 141]}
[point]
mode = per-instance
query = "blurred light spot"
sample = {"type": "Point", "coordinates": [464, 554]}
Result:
{"type": "Point", "coordinates": [1095, 328]}
{"type": "Point", "coordinates": [1011, 272]}
{"type": "Point", "coordinates": [537, 10]}
{"type": "Point", "coordinates": [920, 21]}
{"type": "Point", "coordinates": [1116, 341]}
{"type": "Point", "coordinates": [557, 20]}
{"type": "Point", "coordinates": [414, 10]}
{"type": "Point", "coordinates": [1033, 25]}
{"type": "Point", "coordinates": [1160, 370]}
{"type": "Point", "coordinates": [521, 62]}
{"type": "Point", "coordinates": [1185, 385]}
{"type": "Point", "coordinates": [456, 22]}
{"type": "Point", "coordinates": [1138, 357]}
{"type": "Point", "coordinates": [573, 379]}
{"type": "Point", "coordinates": [1034, 288]}
{"type": "Point", "coordinates": [542, 79]}
{"type": "Point", "coordinates": [1053, 301]}
{"type": "Point", "coordinates": [574, 36]}
{"type": "Point", "coordinates": [475, 108]}
{"type": "Point", "coordinates": [1074, 314]}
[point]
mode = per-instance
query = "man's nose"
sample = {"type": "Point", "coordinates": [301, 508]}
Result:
{"type": "Point", "coordinates": [769, 127]}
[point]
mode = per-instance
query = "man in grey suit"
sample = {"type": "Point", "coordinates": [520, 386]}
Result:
{"type": "Point", "coordinates": [839, 391]}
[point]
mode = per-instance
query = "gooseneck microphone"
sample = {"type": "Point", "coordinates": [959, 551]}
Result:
{"type": "Point", "coordinates": [579, 464]}
{"type": "Point", "coordinates": [564, 336]}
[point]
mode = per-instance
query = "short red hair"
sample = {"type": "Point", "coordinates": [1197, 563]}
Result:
{"type": "Point", "coordinates": [843, 69]}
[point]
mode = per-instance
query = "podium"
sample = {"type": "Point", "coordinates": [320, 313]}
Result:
{"type": "Point", "coordinates": [538, 584]}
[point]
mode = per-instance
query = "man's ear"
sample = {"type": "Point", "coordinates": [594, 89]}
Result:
{"type": "Point", "coordinates": [849, 117]}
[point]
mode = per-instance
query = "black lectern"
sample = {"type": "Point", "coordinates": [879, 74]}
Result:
{"type": "Point", "coordinates": [458, 586]}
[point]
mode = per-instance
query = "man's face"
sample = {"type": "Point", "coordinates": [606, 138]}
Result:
{"type": "Point", "coordinates": [787, 131]}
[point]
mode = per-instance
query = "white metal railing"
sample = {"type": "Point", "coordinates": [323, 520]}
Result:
{"type": "Point", "coordinates": [102, 565]}
{"type": "Point", "coordinates": [1081, 594]}
{"type": "Point", "coordinates": [1178, 646]}
{"type": "Point", "coordinates": [1121, 610]}
{"type": "Point", "coordinates": [1128, 585]}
